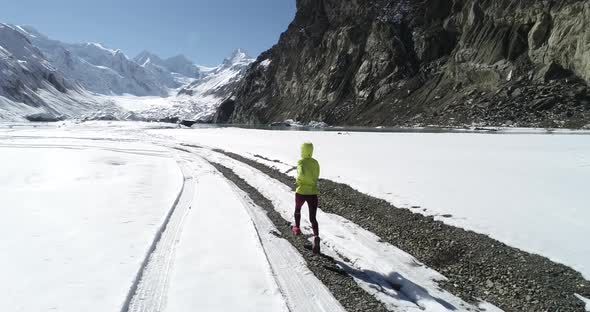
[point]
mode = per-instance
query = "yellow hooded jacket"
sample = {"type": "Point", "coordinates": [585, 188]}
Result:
{"type": "Point", "coordinates": [308, 172]}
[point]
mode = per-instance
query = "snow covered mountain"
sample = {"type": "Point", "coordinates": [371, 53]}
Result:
{"type": "Point", "coordinates": [216, 84]}
{"type": "Point", "coordinates": [89, 77]}
{"type": "Point", "coordinates": [100, 69]}
{"type": "Point", "coordinates": [179, 64]}
{"type": "Point", "coordinates": [30, 85]}
{"type": "Point", "coordinates": [198, 100]}
{"type": "Point", "coordinates": [218, 81]}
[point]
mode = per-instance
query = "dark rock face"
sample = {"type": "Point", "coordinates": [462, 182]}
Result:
{"type": "Point", "coordinates": [225, 110]}
{"type": "Point", "coordinates": [405, 63]}
{"type": "Point", "coordinates": [44, 117]}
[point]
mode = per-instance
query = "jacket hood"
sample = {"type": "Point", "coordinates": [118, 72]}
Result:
{"type": "Point", "coordinates": [307, 150]}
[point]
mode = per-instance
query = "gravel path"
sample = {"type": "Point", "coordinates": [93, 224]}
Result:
{"type": "Point", "coordinates": [478, 267]}
{"type": "Point", "coordinates": [340, 284]}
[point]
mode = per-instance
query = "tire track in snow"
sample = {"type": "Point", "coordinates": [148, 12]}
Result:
{"type": "Point", "coordinates": [300, 288]}
{"type": "Point", "coordinates": [372, 263]}
{"type": "Point", "coordinates": [149, 289]}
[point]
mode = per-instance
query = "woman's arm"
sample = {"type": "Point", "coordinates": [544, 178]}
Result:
{"type": "Point", "coordinates": [299, 172]}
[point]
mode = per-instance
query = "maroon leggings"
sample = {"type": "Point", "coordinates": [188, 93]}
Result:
{"type": "Point", "coordinates": [312, 203]}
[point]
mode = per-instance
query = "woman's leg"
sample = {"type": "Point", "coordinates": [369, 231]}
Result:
{"type": "Point", "coordinates": [312, 202]}
{"type": "Point", "coordinates": [299, 200]}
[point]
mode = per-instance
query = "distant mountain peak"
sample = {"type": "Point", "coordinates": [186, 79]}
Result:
{"type": "Point", "coordinates": [236, 57]}
{"type": "Point", "coordinates": [27, 31]}
{"type": "Point", "coordinates": [145, 57]}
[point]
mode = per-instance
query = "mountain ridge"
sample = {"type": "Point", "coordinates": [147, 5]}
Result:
{"type": "Point", "coordinates": [31, 87]}
{"type": "Point", "coordinates": [402, 63]}
{"type": "Point", "coordinates": [100, 69]}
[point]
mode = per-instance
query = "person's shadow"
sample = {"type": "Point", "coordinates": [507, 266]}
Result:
{"type": "Point", "coordinates": [395, 286]}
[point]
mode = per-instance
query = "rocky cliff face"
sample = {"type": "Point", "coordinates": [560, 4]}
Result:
{"type": "Point", "coordinates": [442, 62]}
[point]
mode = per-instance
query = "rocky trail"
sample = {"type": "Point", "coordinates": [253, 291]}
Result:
{"type": "Point", "coordinates": [477, 266]}
{"type": "Point", "coordinates": [356, 271]}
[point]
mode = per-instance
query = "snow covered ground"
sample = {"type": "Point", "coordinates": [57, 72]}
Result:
{"type": "Point", "coordinates": [527, 190]}
{"type": "Point", "coordinates": [77, 220]}
{"type": "Point", "coordinates": [221, 216]}
{"type": "Point", "coordinates": [116, 216]}
{"type": "Point", "coordinates": [585, 300]}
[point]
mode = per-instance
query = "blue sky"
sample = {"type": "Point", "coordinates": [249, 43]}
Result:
{"type": "Point", "coordinates": [204, 30]}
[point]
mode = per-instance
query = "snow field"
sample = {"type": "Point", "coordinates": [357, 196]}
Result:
{"type": "Point", "coordinates": [207, 255]}
{"type": "Point", "coordinates": [77, 222]}
{"type": "Point", "coordinates": [50, 171]}
{"type": "Point", "coordinates": [512, 187]}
